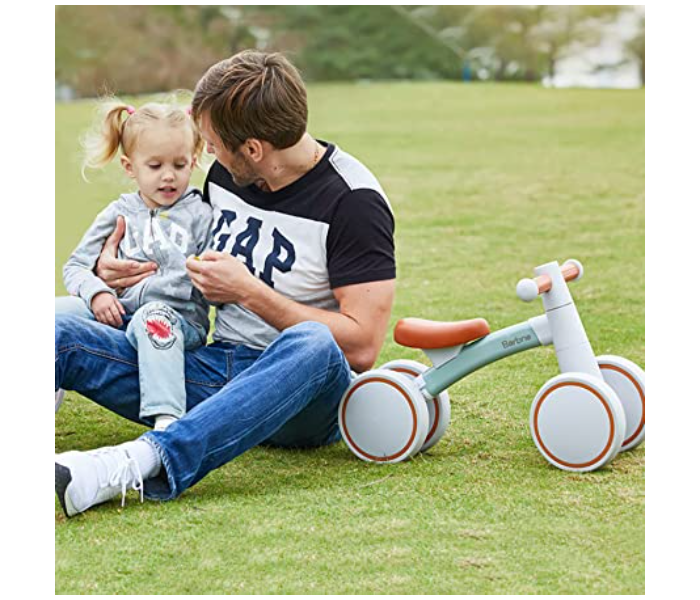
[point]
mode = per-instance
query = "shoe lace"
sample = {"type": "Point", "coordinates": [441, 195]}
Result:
{"type": "Point", "coordinates": [123, 471]}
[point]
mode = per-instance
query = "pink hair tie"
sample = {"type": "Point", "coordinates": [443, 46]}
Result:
{"type": "Point", "coordinates": [130, 109]}
{"type": "Point", "coordinates": [188, 110]}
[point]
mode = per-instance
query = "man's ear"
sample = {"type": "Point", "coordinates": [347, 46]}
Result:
{"type": "Point", "coordinates": [254, 149]}
{"type": "Point", "coordinates": [126, 163]}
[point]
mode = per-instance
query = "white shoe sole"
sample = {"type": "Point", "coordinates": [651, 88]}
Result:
{"type": "Point", "coordinates": [59, 398]}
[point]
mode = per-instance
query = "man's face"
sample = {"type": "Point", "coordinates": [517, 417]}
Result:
{"type": "Point", "coordinates": [237, 163]}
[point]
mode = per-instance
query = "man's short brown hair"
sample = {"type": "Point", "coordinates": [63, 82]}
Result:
{"type": "Point", "coordinates": [253, 95]}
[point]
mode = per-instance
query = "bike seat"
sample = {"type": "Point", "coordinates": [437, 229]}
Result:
{"type": "Point", "coordinates": [430, 335]}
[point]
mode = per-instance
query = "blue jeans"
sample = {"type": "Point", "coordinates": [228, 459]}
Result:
{"type": "Point", "coordinates": [285, 396]}
{"type": "Point", "coordinates": [160, 335]}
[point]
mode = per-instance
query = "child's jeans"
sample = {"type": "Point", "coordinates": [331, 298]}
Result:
{"type": "Point", "coordinates": [160, 336]}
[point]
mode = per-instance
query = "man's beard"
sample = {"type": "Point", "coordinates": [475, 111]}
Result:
{"type": "Point", "coordinates": [243, 181]}
{"type": "Point", "coordinates": [243, 175]}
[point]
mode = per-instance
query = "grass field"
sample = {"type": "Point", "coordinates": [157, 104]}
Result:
{"type": "Point", "coordinates": [486, 182]}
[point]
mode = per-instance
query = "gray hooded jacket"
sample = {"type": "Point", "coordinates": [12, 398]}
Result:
{"type": "Point", "coordinates": [165, 236]}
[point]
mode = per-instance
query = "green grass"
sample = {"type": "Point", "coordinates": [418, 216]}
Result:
{"type": "Point", "coordinates": [486, 182]}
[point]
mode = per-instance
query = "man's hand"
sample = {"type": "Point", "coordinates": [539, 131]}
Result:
{"type": "Point", "coordinates": [119, 274]}
{"type": "Point", "coordinates": [107, 309]}
{"type": "Point", "coordinates": [222, 278]}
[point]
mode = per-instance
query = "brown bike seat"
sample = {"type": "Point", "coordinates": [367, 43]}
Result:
{"type": "Point", "coordinates": [430, 335]}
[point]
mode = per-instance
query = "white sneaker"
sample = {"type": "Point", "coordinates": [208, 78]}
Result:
{"type": "Point", "coordinates": [84, 479]}
{"type": "Point", "coordinates": [59, 398]}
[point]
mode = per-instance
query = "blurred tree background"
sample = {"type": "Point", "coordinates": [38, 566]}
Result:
{"type": "Point", "coordinates": [143, 49]}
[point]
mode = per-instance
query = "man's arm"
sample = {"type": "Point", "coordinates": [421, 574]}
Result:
{"type": "Point", "coordinates": [117, 273]}
{"type": "Point", "coordinates": [359, 328]}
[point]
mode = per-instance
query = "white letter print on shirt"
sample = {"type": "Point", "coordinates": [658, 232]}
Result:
{"type": "Point", "coordinates": [177, 236]}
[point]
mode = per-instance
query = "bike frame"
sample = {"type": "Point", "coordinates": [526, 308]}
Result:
{"type": "Point", "coordinates": [560, 325]}
{"type": "Point", "coordinates": [489, 349]}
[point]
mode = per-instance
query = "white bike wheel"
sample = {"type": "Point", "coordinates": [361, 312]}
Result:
{"type": "Point", "coordinates": [627, 379]}
{"type": "Point", "coordinates": [383, 417]}
{"type": "Point", "coordinates": [439, 409]}
{"type": "Point", "coordinates": [577, 422]}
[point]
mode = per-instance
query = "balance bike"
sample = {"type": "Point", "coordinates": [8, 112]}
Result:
{"type": "Point", "coordinates": [579, 420]}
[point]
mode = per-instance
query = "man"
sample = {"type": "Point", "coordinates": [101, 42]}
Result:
{"type": "Point", "coordinates": [301, 269]}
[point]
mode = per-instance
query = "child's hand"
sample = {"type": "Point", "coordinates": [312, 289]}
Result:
{"type": "Point", "coordinates": [107, 309]}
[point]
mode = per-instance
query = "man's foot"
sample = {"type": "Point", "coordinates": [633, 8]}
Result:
{"type": "Point", "coordinates": [59, 398]}
{"type": "Point", "coordinates": [84, 479]}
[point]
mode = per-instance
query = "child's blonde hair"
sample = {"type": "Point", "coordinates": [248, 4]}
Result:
{"type": "Point", "coordinates": [119, 127]}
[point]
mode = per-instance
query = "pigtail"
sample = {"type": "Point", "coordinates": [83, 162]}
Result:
{"type": "Point", "coordinates": [101, 144]}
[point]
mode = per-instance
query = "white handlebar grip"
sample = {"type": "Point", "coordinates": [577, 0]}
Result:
{"type": "Point", "coordinates": [573, 262]}
{"type": "Point", "coordinates": [527, 290]}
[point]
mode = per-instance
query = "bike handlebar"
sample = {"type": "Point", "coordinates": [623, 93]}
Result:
{"type": "Point", "coordinates": [529, 289]}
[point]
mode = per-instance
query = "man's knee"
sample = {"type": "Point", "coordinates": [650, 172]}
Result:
{"type": "Point", "coordinates": [312, 331]}
{"type": "Point", "coordinates": [316, 337]}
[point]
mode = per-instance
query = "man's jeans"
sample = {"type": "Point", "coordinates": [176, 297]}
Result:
{"type": "Point", "coordinates": [160, 335]}
{"type": "Point", "coordinates": [237, 397]}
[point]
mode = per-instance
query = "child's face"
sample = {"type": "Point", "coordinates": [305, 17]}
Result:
{"type": "Point", "coordinates": [161, 164]}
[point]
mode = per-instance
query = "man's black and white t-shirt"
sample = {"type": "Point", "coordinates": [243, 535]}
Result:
{"type": "Point", "coordinates": [331, 228]}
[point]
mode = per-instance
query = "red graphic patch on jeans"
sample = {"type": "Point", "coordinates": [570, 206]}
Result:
{"type": "Point", "coordinates": [159, 329]}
